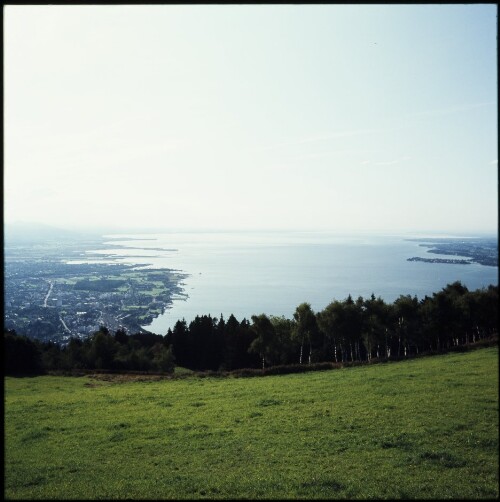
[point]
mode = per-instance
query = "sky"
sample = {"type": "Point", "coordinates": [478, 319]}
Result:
{"type": "Point", "coordinates": [312, 117]}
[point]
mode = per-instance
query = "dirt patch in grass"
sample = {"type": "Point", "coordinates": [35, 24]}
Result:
{"type": "Point", "coordinates": [126, 377]}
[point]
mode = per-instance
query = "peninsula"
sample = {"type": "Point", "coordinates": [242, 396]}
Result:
{"type": "Point", "coordinates": [483, 250]}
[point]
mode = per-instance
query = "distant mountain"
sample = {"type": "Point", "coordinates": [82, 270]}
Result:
{"type": "Point", "coordinates": [26, 232]}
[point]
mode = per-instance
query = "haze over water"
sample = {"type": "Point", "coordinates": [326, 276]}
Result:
{"type": "Point", "coordinates": [246, 273]}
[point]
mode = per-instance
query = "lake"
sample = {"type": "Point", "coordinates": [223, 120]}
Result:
{"type": "Point", "coordinates": [246, 273]}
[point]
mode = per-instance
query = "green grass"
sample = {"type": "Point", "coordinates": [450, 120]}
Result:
{"type": "Point", "coordinates": [179, 370]}
{"type": "Point", "coordinates": [68, 281]}
{"type": "Point", "coordinates": [423, 428]}
{"type": "Point", "coordinates": [155, 291]}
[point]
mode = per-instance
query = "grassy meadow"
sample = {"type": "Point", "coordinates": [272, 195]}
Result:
{"type": "Point", "coordinates": [422, 428]}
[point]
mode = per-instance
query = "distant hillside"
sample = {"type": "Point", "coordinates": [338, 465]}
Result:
{"type": "Point", "coordinates": [27, 232]}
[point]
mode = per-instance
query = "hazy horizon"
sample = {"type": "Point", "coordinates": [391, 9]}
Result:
{"type": "Point", "coordinates": [19, 228]}
{"type": "Point", "coordinates": [343, 118]}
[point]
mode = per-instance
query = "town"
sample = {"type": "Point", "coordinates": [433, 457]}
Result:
{"type": "Point", "coordinates": [49, 298]}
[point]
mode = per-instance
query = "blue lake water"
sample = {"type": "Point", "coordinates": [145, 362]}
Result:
{"type": "Point", "coordinates": [246, 273]}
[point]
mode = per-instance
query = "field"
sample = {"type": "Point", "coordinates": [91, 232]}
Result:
{"type": "Point", "coordinates": [423, 428]}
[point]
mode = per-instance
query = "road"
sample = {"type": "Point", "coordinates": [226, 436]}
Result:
{"type": "Point", "coordinates": [48, 293]}
{"type": "Point", "coordinates": [65, 326]}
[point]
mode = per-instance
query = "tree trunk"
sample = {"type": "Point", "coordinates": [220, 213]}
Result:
{"type": "Point", "coordinates": [300, 357]}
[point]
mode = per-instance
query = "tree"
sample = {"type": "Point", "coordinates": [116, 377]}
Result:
{"type": "Point", "coordinates": [75, 353]}
{"type": "Point", "coordinates": [121, 336]}
{"type": "Point", "coordinates": [53, 358]}
{"type": "Point", "coordinates": [265, 343]}
{"type": "Point", "coordinates": [230, 347]}
{"type": "Point", "coordinates": [375, 321]}
{"type": "Point", "coordinates": [331, 322]}
{"type": "Point", "coordinates": [287, 347]}
{"type": "Point", "coordinates": [306, 328]}
{"type": "Point", "coordinates": [163, 358]}
{"type": "Point", "coordinates": [180, 343]}
{"type": "Point", "coordinates": [486, 308]}
{"type": "Point", "coordinates": [406, 314]}
{"type": "Point", "coordinates": [371, 326]}
{"type": "Point", "coordinates": [103, 349]}
{"type": "Point", "coordinates": [351, 326]}
{"type": "Point", "coordinates": [206, 350]}
{"type": "Point", "coordinates": [244, 357]}
{"type": "Point", "coordinates": [21, 355]}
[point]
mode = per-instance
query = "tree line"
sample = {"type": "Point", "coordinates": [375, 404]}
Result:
{"type": "Point", "coordinates": [345, 331]}
{"type": "Point", "coordinates": [101, 351]}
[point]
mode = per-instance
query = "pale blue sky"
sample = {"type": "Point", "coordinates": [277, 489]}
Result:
{"type": "Point", "coordinates": [338, 117]}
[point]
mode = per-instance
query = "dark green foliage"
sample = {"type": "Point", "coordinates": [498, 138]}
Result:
{"type": "Point", "coordinates": [53, 358]}
{"type": "Point", "coordinates": [305, 330]}
{"type": "Point", "coordinates": [211, 344]}
{"type": "Point", "coordinates": [206, 336]}
{"type": "Point", "coordinates": [180, 342]}
{"type": "Point", "coordinates": [230, 356]}
{"type": "Point", "coordinates": [100, 285]}
{"type": "Point", "coordinates": [265, 343]}
{"type": "Point", "coordinates": [121, 336]}
{"type": "Point", "coordinates": [163, 358]}
{"type": "Point", "coordinates": [101, 351]}
{"type": "Point", "coordinates": [76, 354]}
{"type": "Point", "coordinates": [21, 355]}
{"type": "Point", "coordinates": [147, 339]}
{"type": "Point", "coordinates": [288, 346]}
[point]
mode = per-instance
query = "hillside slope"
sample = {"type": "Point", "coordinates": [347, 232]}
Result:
{"type": "Point", "coordinates": [422, 428]}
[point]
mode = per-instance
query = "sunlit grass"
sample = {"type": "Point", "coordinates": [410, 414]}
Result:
{"type": "Point", "coordinates": [424, 428]}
